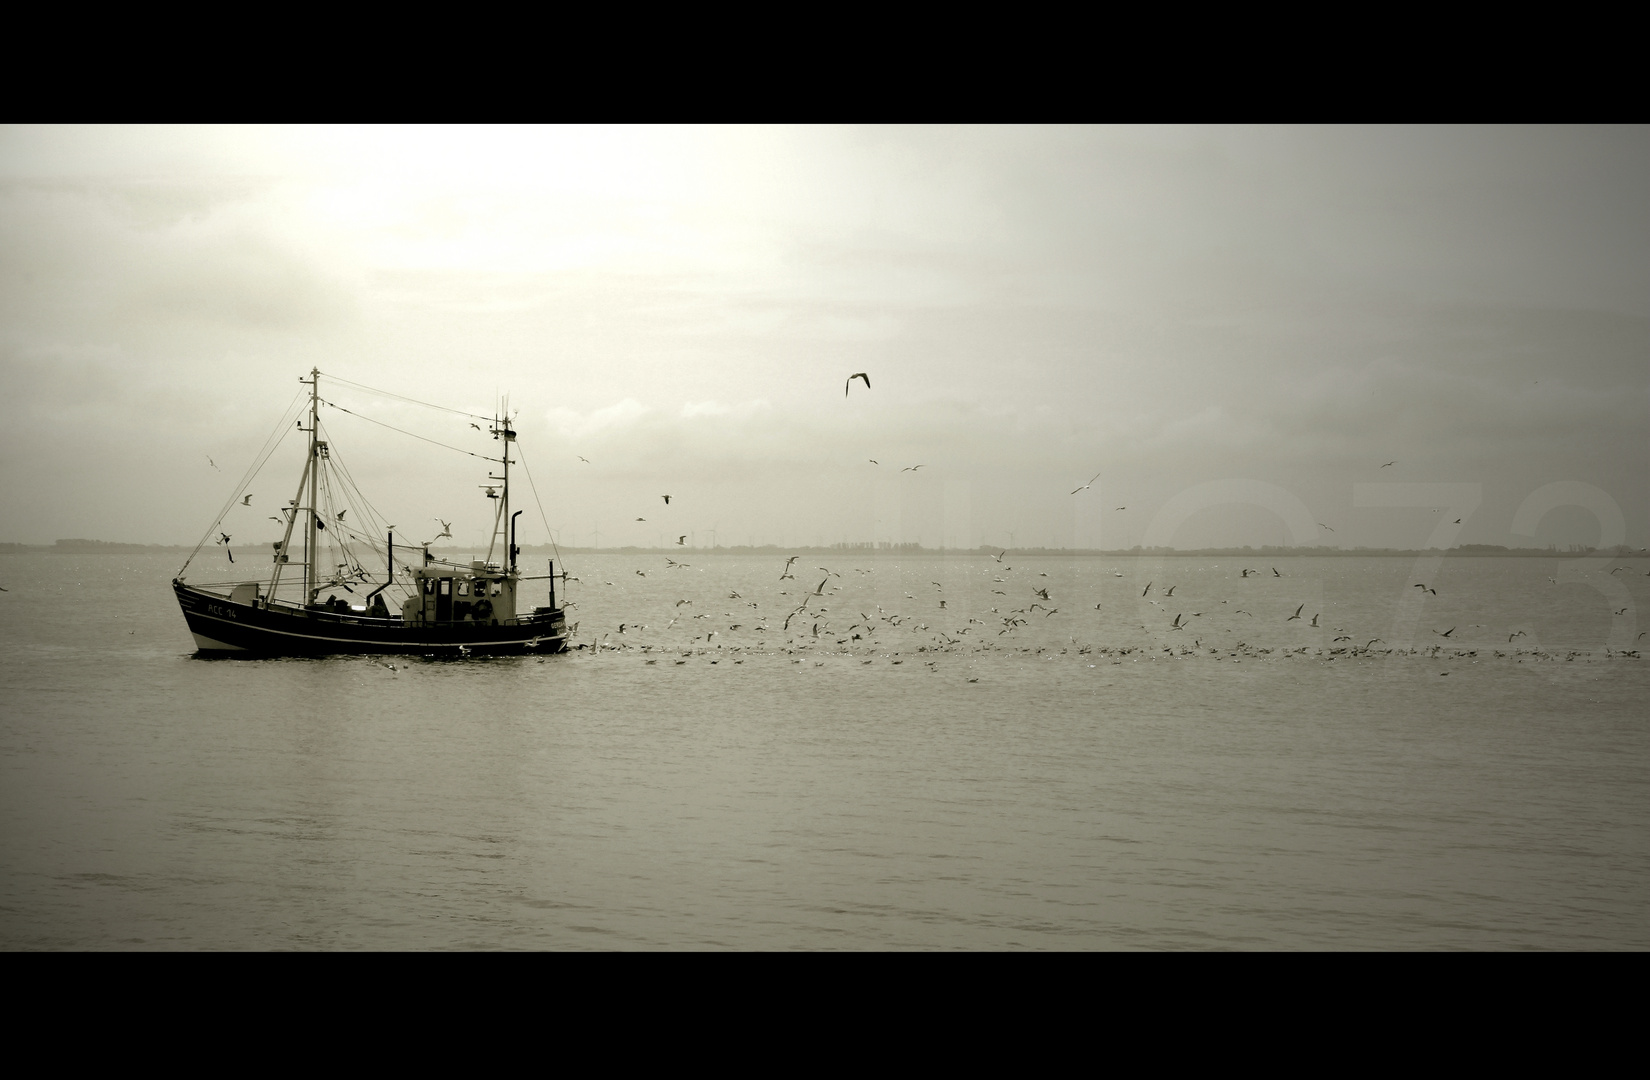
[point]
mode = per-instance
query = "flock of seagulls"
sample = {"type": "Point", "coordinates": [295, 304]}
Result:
{"type": "Point", "coordinates": [824, 617]}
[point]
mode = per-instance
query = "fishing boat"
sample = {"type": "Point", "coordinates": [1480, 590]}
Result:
{"type": "Point", "coordinates": [331, 572]}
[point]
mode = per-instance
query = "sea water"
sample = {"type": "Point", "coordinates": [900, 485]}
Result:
{"type": "Point", "coordinates": [1114, 765]}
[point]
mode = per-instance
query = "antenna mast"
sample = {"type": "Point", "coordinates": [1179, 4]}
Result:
{"type": "Point", "coordinates": [311, 537]}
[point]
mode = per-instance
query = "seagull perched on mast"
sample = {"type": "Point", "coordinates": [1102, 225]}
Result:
{"type": "Point", "coordinates": [850, 382]}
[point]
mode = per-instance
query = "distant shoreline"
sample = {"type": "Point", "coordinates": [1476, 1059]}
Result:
{"type": "Point", "coordinates": [103, 547]}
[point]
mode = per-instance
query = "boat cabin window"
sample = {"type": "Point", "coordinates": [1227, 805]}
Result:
{"type": "Point", "coordinates": [464, 588]}
{"type": "Point", "coordinates": [498, 587]}
{"type": "Point", "coordinates": [429, 586]}
{"type": "Point", "coordinates": [446, 586]}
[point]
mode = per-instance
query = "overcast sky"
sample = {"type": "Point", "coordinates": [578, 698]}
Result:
{"type": "Point", "coordinates": [1169, 308]}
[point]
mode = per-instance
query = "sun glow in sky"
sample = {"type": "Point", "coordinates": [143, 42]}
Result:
{"type": "Point", "coordinates": [1168, 307]}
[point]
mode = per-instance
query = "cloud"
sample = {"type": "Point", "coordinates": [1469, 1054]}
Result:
{"type": "Point", "coordinates": [743, 410]}
{"type": "Point", "coordinates": [134, 261]}
{"type": "Point", "coordinates": [619, 418]}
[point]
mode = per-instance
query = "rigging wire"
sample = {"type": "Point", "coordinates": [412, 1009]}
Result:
{"type": "Point", "coordinates": [337, 537]}
{"type": "Point", "coordinates": [535, 488]}
{"type": "Point", "coordinates": [365, 512]}
{"type": "Point", "coordinates": [402, 397]}
{"type": "Point", "coordinates": [392, 427]}
{"type": "Point", "coordinates": [271, 444]}
{"type": "Point", "coordinates": [364, 509]}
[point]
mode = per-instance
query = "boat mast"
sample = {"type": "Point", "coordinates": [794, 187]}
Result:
{"type": "Point", "coordinates": [304, 478]}
{"type": "Point", "coordinates": [501, 517]}
{"type": "Point", "coordinates": [504, 514]}
{"type": "Point", "coordinates": [310, 537]}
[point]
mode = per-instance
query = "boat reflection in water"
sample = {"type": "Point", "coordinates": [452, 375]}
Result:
{"type": "Point", "coordinates": [444, 607]}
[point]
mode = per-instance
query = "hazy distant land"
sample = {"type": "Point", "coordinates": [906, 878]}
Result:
{"type": "Point", "coordinates": [1572, 551]}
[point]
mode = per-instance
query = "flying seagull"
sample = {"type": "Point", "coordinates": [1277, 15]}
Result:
{"type": "Point", "coordinates": [1297, 615]}
{"type": "Point", "coordinates": [1086, 486]}
{"type": "Point", "coordinates": [582, 458]}
{"type": "Point", "coordinates": [666, 498]}
{"type": "Point", "coordinates": [212, 463]}
{"type": "Point", "coordinates": [912, 468]}
{"type": "Point", "coordinates": [478, 428]}
{"type": "Point", "coordinates": [247, 501]}
{"type": "Point", "coordinates": [1389, 463]}
{"type": "Point", "coordinates": [681, 541]}
{"type": "Point", "coordinates": [850, 382]}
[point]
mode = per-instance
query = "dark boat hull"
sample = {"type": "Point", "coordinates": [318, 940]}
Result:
{"type": "Point", "coordinates": [220, 625]}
